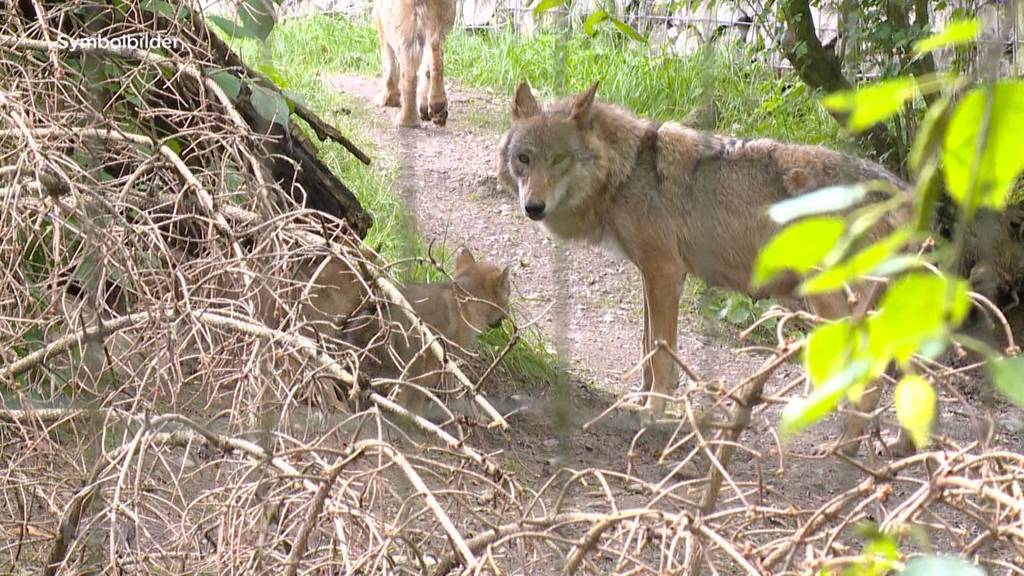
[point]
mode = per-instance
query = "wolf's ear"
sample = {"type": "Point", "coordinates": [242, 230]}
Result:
{"type": "Point", "coordinates": [464, 259]}
{"type": "Point", "coordinates": [504, 286]}
{"type": "Point", "coordinates": [584, 105]}
{"type": "Point", "coordinates": [524, 105]}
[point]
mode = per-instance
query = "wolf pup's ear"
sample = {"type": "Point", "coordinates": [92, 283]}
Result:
{"type": "Point", "coordinates": [464, 259]}
{"type": "Point", "coordinates": [584, 105]}
{"type": "Point", "coordinates": [504, 283]}
{"type": "Point", "coordinates": [524, 105]}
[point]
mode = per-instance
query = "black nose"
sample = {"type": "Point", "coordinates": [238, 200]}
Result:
{"type": "Point", "coordinates": [535, 210]}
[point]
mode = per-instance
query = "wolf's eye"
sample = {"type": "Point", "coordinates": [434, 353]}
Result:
{"type": "Point", "coordinates": [559, 159]}
{"type": "Point", "coordinates": [524, 158]}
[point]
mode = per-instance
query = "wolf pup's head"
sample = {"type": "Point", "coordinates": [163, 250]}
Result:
{"type": "Point", "coordinates": [488, 289]}
{"type": "Point", "coordinates": [545, 156]}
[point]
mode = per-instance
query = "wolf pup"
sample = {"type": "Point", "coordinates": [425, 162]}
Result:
{"type": "Point", "coordinates": [474, 301]}
{"type": "Point", "coordinates": [407, 29]}
{"type": "Point", "coordinates": [672, 200]}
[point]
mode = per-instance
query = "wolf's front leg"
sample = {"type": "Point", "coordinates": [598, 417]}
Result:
{"type": "Point", "coordinates": [663, 286]}
{"type": "Point", "coordinates": [438, 101]}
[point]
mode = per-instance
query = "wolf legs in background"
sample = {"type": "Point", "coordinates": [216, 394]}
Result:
{"type": "Point", "coordinates": [412, 34]}
{"type": "Point", "coordinates": [389, 95]}
{"type": "Point", "coordinates": [432, 97]}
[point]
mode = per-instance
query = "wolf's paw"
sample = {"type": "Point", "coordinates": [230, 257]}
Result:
{"type": "Point", "coordinates": [388, 99]}
{"type": "Point", "coordinates": [406, 120]}
{"type": "Point", "coordinates": [424, 112]}
{"type": "Point", "coordinates": [439, 112]}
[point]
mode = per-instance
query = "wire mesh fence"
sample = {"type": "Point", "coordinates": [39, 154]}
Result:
{"type": "Point", "coordinates": [681, 28]}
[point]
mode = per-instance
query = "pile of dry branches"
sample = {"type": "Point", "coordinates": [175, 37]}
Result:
{"type": "Point", "coordinates": [165, 404]}
{"type": "Point", "coordinates": [167, 408]}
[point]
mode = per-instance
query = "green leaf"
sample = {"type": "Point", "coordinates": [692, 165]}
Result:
{"type": "Point", "coordinates": [830, 199]}
{"type": "Point", "coordinates": [914, 399]}
{"type": "Point", "coordinates": [928, 136]}
{"type": "Point", "coordinates": [873, 103]}
{"type": "Point", "coordinates": [916, 308]}
{"type": "Point", "coordinates": [598, 16]}
{"type": "Point", "coordinates": [941, 566]}
{"type": "Point", "coordinates": [927, 192]}
{"type": "Point", "coordinates": [162, 8]}
{"type": "Point", "coordinates": [257, 18]}
{"type": "Point", "coordinates": [957, 32]}
{"type": "Point", "coordinates": [861, 264]}
{"type": "Point", "coordinates": [268, 69]}
{"type": "Point", "coordinates": [228, 82]}
{"type": "Point", "coordinates": [802, 412]}
{"type": "Point", "coordinates": [1007, 374]}
{"type": "Point", "coordinates": [174, 144]}
{"type": "Point", "coordinates": [295, 97]}
{"type": "Point", "coordinates": [798, 247]}
{"type": "Point", "coordinates": [545, 5]}
{"type": "Point", "coordinates": [828, 350]}
{"type": "Point", "coordinates": [628, 30]}
{"type": "Point", "coordinates": [269, 104]}
{"type": "Point", "coordinates": [225, 24]}
{"type": "Point", "coordinates": [879, 558]}
{"type": "Point", "coordinates": [985, 181]}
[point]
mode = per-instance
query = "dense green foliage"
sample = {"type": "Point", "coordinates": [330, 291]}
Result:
{"type": "Point", "coordinates": [976, 145]}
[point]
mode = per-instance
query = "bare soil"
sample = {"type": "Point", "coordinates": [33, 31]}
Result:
{"type": "Point", "coordinates": [589, 305]}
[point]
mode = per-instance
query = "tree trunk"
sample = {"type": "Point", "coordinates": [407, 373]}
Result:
{"type": "Point", "coordinates": [821, 69]}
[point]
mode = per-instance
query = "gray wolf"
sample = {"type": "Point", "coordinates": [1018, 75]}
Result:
{"type": "Point", "coordinates": [408, 31]}
{"type": "Point", "coordinates": [672, 200]}
{"type": "Point", "coordinates": [474, 301]}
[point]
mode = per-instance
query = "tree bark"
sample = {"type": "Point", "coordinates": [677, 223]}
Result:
{"type": "Point", "coordinates": [821, 69]}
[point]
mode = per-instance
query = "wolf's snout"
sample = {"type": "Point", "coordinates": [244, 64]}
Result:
{"type": "Point", "coordinates": [535, 210]}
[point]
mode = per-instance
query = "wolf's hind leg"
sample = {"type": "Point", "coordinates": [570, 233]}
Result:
{"type": "Point", "coordinates": [646, 346]}
{"type": "Point", "coordinates": [663, 286]}
{"type": "Point", "coordinates": [855, 429]}
{"type": "Point", "coordinates": [389, 81]}
{"type": "Point", "coordinates": [424, 89]}
{"type": "Point", "coordinates": [857, 424]}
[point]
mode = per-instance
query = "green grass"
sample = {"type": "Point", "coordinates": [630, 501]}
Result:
{"type": "Point", "coordinates": [751, 99]}
{"type": "Point", "coordinates": [295, 56]}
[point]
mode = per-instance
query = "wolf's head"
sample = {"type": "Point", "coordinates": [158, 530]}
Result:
{"type": "Point", "coordinates": [546, 156]}
{"type": "Point", "coordinates": [488, 289]}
